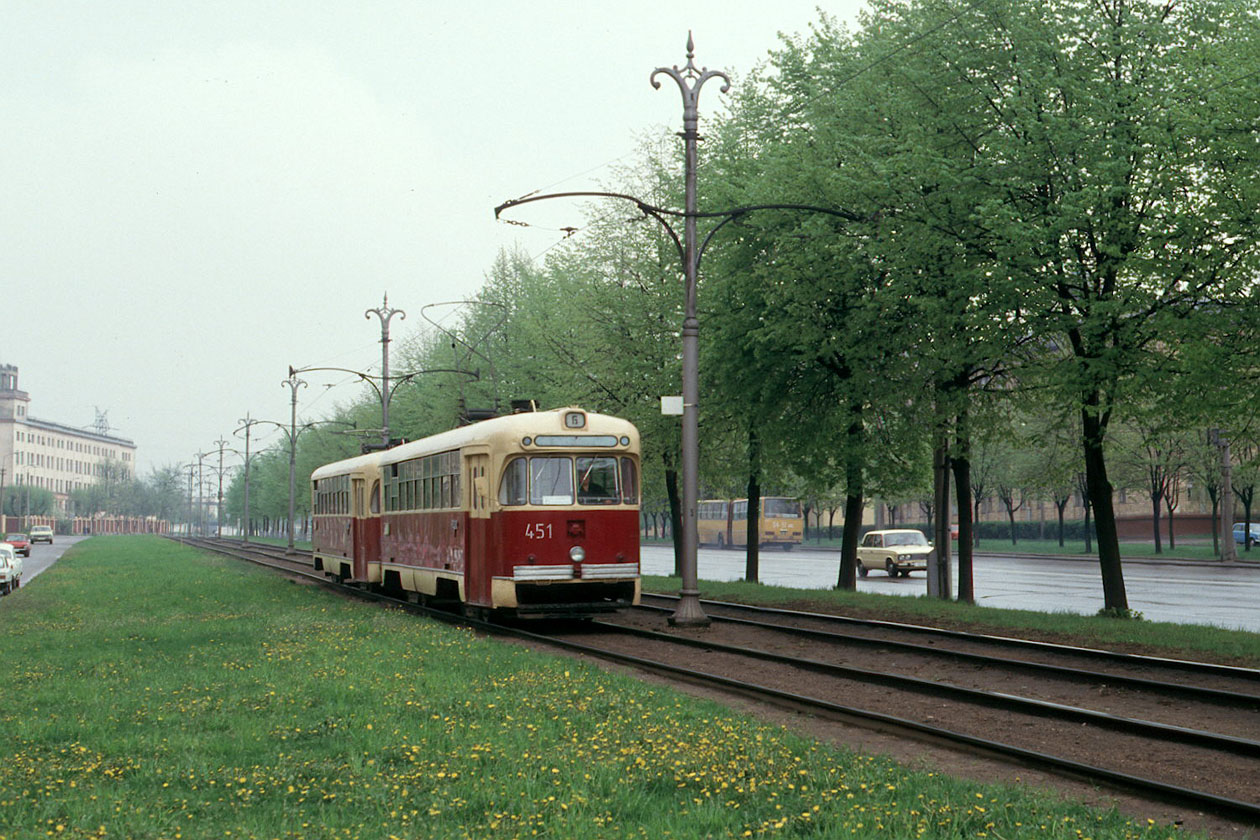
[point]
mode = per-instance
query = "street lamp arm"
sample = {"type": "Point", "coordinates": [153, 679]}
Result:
{"type": "Point", "coordinates": [652, 210]}
{"type": "Point", "coordinates": [658, 213]}
{"type": "Point", "coordinates": [648, 209]}
{"type": "Point", "coordinates": [365, 377]}
{"type": "Point", "coordinates": [474, 376]}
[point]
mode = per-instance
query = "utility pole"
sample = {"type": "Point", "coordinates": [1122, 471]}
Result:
{"type": "Point", "coordinates": [385, 313]}
{"type": "Point", "coordinates": [218, 524]}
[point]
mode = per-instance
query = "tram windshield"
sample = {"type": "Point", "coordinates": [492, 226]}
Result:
{"type": "Point", "coordinates": [559, 480]}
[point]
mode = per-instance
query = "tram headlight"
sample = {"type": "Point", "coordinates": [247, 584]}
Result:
{"type": "Point", "coordinates": [577, 554]}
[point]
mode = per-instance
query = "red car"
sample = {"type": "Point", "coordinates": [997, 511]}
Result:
{"type": "Point", "coordinates": [21, 545]}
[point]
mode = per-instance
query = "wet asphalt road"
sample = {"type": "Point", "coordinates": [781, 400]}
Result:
{"type": "Point", "coordinates": [1186, 593]}
{"type": "Point", "coordinates": [44, 555]}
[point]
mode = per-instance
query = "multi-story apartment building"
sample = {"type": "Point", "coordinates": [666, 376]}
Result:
{"type": "Point", "coordinates": [54, 456]}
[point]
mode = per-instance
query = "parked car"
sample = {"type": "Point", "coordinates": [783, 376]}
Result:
{"type": "Point", "coordinates": [899, 552]}
{"type": "Point", "coordinates": [20, 543]}
{"type": "Point", "coordinates": [41, 533]}
{"type": "Point", "coordinates": [10, 576]}
{"type": "Point", "coordinates": [17, 570]}
{"type": "Point", "coordinates": [1254, 533]}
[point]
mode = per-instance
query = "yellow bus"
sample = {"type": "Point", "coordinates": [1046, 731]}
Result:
{"type": "Point", "coordinates": [725, 523]}
{"type": "Point", "coordinates": [713, 520]}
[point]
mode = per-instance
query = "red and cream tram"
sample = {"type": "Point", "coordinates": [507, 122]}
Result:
{"type": "Point", "coordinates": [533, 514]}
{"type": "Point", "coordinates": [346, 507]}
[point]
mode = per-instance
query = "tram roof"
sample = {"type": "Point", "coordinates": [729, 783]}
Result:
{"type": "Point", "coordinates": [510, 428]}
{"type": "Point", "coordinates": [498, 430]}
{"type": "Point", "coordinates": [370, 461]}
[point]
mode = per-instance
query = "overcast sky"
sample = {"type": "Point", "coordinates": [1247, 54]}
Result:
{"type": "Point", "coordinates": [197, 195]}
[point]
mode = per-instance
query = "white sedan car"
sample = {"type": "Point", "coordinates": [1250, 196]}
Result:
{"type": "Point", "coordinates": [10, 569]}
{"type": "Point", "coordinates": [899, 552]}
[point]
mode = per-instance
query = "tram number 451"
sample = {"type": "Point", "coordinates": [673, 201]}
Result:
{"type": "Point", "coordinates": [538, 531]}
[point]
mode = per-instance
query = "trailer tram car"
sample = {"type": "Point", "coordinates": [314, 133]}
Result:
{"type": "Point", "coordinates": [532, 515]}
{"type": "Point", "coordinates": [346, 507]}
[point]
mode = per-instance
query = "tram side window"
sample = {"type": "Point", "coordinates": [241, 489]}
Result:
{"type": "Point", "coordinates": [629, 482]}
{"type": "Point", "coordinates": [514, 488]}
{"type": "Point", "coordinates": [597, 481]}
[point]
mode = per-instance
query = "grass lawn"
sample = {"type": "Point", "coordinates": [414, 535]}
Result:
{"type": "Point", "coordinates": [153, 691]}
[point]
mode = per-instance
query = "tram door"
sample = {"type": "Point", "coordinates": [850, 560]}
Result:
{"type": "Point", "coordinates": [479, 566]}
{"type": "Point", "coordinates": [362, 527]}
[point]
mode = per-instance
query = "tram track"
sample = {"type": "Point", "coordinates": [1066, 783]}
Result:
{"type": "Point", "coordinates": [948, 641]}
{"type": "Point", "coordinates": [1197, 766]}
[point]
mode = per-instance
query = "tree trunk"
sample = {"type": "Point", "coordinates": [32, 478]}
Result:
{"type": "Point", "coordinates": [1246, 496]}
{"type": "Point", "coordinates": [1170, 508]}
{"type": "Point", "coordinates": [939, 583]}
{"type": "Point", "coordinates": [1155, 499]}
{"type": "Point", "coordinates": [854, 488]}
{"type": "Point", "coordinates": [962, 489]}
{"type": "Point", "coordinates": [1109, 563]}
{"type": "Point", "coordinates": [1216, 527]}
{"type": "Point", "coordinates": [675, 516]}
{"type": "Point", "coordinates": [1062, 506]}
{"type": "Point", "coordinates": [975, 520]}
{"type": "Point", "coordinates": [752, 558]}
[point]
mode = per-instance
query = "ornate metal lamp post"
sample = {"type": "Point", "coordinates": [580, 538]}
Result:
{"type": "Point", "coordinates": [201, 489]}
{"type": "Point", "coordinates": [218, 525]}
{"type": "Point", "coordinates": [385, 313]}
{"type": "Point", "coordinates": [247, 423]}
{"type": "Point", "coordinates": [293, 383]}
{"type": "Point", "coordinates": [690, 80]}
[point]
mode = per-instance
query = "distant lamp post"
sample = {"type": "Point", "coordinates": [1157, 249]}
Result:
{"type": "Point", "coordinates": [385, 313]}
{"type": "Point", "coordinates": [247, 423]}
{"type": "Point", "coordinates": [218, 525]}
{"type": "Point", "coordinates": [201, 489]}
{"type": "Point", "coordinates": [293, 383]}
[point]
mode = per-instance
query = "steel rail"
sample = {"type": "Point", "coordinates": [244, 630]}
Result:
{"type": "Point", "coordinates": [1139, 660]}
{"type": "Point", "coordinates": [991, 699]}
{"type": "Point", "coordinates": [1222, 806]}
{"type": "Point", "coordinates": [1248, 812]}
{"type": "Point", "coordinates": [1199, 693]}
